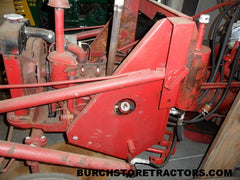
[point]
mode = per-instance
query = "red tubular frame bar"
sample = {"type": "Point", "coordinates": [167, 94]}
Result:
{"type": "Point", "coordinates": [84, 28]}
{"type": "Point", "coordinates": [75, 81]}
{"type": "Point", "coordinates": [20, 151]}
{"type": "Point", "coordinates": [209, 10]}
{"type": "Point", "coordinates": [134, 78]}
{"type": "Point", "coordinates": [218, 85]}
{"type": "Point", "coordinates": [88, 34]}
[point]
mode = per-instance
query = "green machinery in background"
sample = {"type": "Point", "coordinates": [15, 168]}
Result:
{"type": "Point", "coordinates": [80, 14]}
{"type": "Point", "coordinates": [87, 13]}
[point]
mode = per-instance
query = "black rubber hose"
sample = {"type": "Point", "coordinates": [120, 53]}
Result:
{"type": "Point", "coordinates": [226, 39]}
{"type": "Point", "coordinates": [198, 118]}
{"type": "Point", "coordinates": [169, 155]}
{"type": "Point", "coordinates": [224, 93]}
{"type": "Point", "coordinates": [218, 90]}
{"type": "Point", "coordinates": [223, 7]}
{"type": "Point", "coordinates": [47, 35]}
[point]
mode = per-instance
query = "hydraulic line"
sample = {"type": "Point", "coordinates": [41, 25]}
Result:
{"type": "Point", "coordinates": [228, 34]}
{"type": "Point", "coordinates": [198, 118]}
{"type": "Point", "coordinates": [195, 120]}
{"type": "Point", "coordinates": [218, 90]}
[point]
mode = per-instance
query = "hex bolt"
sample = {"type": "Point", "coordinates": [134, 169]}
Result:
{"type": "Point", "coordinates": [27, 138]}
{"type": "Point", "coordinates": [43, 138]}
{"type": "Point", "coordinates": [125, 106]}
{"type": "Point", "coordinates": [75, 138]}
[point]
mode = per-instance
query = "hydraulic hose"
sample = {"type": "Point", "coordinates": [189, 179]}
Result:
{"type": "Point", "coordinates": [228, 34]}
{"type": "Point", "coordinates": [169, 155]}
{"type": "Point", "coordinates": [199, 117]}
{"type": "Point", "coordinates": [195, 120]}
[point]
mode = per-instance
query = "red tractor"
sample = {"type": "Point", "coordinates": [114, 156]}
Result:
{"type": "Point", "coordinates": [118, 95]}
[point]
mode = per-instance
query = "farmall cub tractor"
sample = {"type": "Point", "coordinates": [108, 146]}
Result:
{"type": "Point", "coordinates": [143, 71]}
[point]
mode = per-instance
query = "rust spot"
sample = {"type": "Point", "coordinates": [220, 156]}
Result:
{"type": "Point", "coordinates": [11, 150]}
{"type": "Point", "coordinates": [64, 158]}
{"type": "Point", "coordinates": [82, 162]}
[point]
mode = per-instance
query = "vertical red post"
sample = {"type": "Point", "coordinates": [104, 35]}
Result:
{"type": "Point", "coordinates": [204, 20]}
{"type": "Point", "coordinates": [59, 29]}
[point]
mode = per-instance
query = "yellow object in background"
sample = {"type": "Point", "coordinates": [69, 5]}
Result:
{"type": "Point", "coordinates": [21, 7]}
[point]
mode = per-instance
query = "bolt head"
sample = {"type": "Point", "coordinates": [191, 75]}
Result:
{"type": "Point", "coordinates": [75, 138]}
{"type": "Point", "coordinates": [27, 138]}
{"type": "Point", "coordinates": [125, 106]}
{"type": "Point", "coordinates": [89, 142]}
{"type": "Point", "coordinates": [43, 137]}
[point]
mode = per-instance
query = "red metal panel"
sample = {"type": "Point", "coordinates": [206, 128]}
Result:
{"type": "Point", "coordinates": [152, 51]}
{"type": "Point", "coordinates": [12, 67]}
{"type": "Point", "coordinates": [106, 131]}
{"type": "Point", "coordinates": [110, 133]}
{"type": "Point", "coordinates": [177, 59]}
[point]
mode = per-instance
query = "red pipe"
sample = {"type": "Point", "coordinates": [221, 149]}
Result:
{"type": "Point", "coordinates": [59, 26]}
{"type": "Point", "coordinates": [75, 81]}
{"type": "Point", "coordinates": [88, 34]}
{"type": "Point", "coordinates": [218, 85]}
{"type": "Point", "coordinates": [134, 78]}
{"type": "Point", "coordinates": [209, 10]}
{"type": "Point", "coordinates": [20, 151]}
{"type": "Point", "coordinates": [201, 32]}
{"type": "Point", "coordinates": [155, 150]}
{"type": "Point", "coordinates": [84, 28]}
{"type": "Point", "coordinates": [81, 54]}
{"type": "Point", "coordinates": [71, 107]}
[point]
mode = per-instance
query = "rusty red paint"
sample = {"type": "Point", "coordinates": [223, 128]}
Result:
{"type": "Point", "coordinates": [150, 76]}
{"type": "Point", "coordinates": [55, 157]}
{"type": "Point", "coordinates": [59, 3]}
{"type": "Point", "coordinates": [88, 34]}
{"type": "Point", "coordinates": [190, 86]}
{"type": "Point", "coordinates": [59, 64]}
{"type": "Point", "coordinates": [150, 8]}
{"type": "Point", "coordinates": [218, 85]}
{"type": "Point", "coordinates": [13, 71]}
{"type": "Point", "coordinates": [127, 29]}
